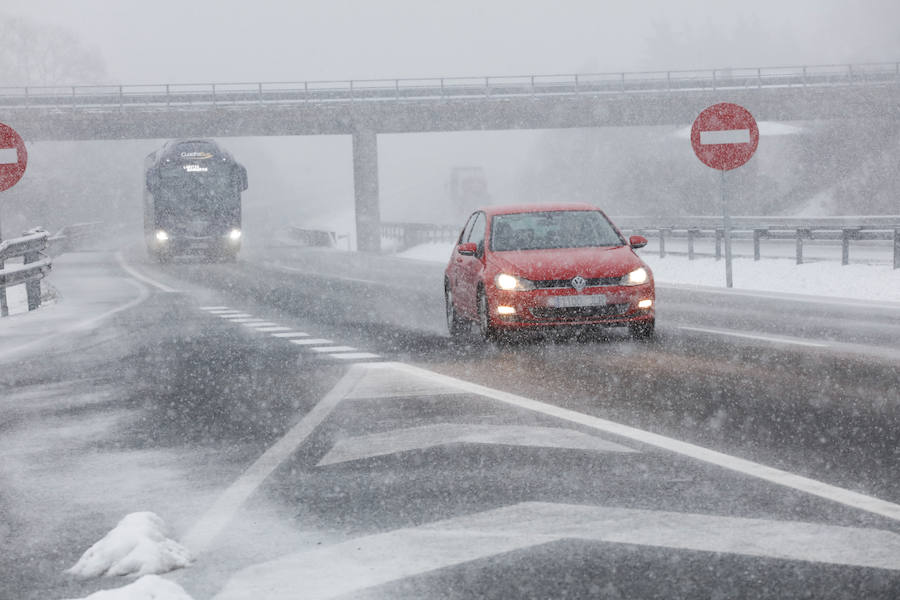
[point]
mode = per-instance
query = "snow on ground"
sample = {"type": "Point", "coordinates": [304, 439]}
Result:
{"type": "Point", "coordinates": [149, 587]}
{"type": "Point", "coordinates": [874, 283]}
{"type": "Point", "coordinates": [138, 545]}
{"type": "Point", "coordinates": [16, 299]}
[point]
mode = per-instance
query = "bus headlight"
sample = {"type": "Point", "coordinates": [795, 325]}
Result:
{"type": "Point", "coordinates": [162, 236]}
{"type": "Point", "coordinates": [234, 235]}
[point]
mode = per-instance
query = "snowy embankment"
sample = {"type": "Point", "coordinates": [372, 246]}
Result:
{"type": "Point", "coordinates": [872, 283]}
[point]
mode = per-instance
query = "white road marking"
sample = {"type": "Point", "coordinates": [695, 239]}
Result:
{"type": "Point", "coordinates": [257, 323]}
{"type": "Point", "coordinates": [756, 336]}
{"type": "Point", "coordinates": [428, 436]}
{"type": "Point", "coordinates": [346, 568]}
{"type": "Point", "coordinates": [352, 356]}
{"type": "Point", "coordinates": [725, 136]}
{"type": "Point", "coordinates": [290, 334]}
{"type": "Point", "coordinates": [204, 532]}
{"type": "Point", "coordinates": [214, 308]}
{"type": "Point", "coordinates": [312, 342]}
{"type": "Point", "coordinates": [242, 318]}
{"type": "Point", "coordinates": [334, 349]}
{"type": "Point", "coordinates": [272, 329]}
{"type": "Point", "coordinates": [140, 276]}
{"type": "Point", "coordinates": [733, 463]}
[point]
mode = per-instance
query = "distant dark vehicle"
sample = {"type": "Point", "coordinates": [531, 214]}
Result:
{"type": "Point", "coordinates": [192, 201]}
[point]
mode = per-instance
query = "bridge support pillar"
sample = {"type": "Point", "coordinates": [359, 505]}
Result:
{"type": "Point", "coordinates": [365, 183]}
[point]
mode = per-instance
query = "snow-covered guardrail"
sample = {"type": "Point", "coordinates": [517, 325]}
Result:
{"type": "Point", "coordinates": [35, 265]}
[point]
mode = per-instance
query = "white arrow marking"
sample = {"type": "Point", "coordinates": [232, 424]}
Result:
{"type": "Point", "coordinates": [417, 438]}
{"type": "Point", "coordinates": [365, 562]}
{"type": "Point", "coordinates": [9, 156]}
{"type": "Point", "coordinates": [725, 136]}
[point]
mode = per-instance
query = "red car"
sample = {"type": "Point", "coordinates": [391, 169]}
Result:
{"type": "Point", "coordinates": [535, 267]}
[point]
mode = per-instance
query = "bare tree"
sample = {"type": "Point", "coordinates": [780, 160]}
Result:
{"type": "Point", "coordinates": [35, 54]}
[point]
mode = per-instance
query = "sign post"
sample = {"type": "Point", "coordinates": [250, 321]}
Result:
{"type": "Point", "coordinates": [13, 160]}
{"type": "Point", "coordinates": [724, 137]}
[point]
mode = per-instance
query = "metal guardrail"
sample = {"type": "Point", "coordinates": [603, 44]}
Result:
{"type": "Point", "coordinates": [35, 265]}
{"type": "Point", "coordinates": [800, 235]}
{"type": "Point", "coordinates": [800, 229]}
{"type": "Point", "coordinates": [313, 237]}
{"type": "Point", "coordinates": [842, 229]}
{"type": "Point", "coordinates": [413, 234]}
{"type": "Point", "coordinates": [170, 95]}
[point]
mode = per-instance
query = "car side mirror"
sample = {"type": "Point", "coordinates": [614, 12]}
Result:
{"type": "Point", "coordinates": [637, 241]}
{"type": "Point", "coordinates": [467, 249]}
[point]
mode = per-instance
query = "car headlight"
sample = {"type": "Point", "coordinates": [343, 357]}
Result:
{"type": "Point", "coordinates": [636, 277]}
{"type": "Point", "coordinates": [234, 235]}
{"type": "Point", "coordinates": [511, 283]}
{"type": "Point", "coordinates": [162, 236]}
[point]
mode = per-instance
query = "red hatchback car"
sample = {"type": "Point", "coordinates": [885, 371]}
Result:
{"type": "Point", "coordinates": [533, 267]}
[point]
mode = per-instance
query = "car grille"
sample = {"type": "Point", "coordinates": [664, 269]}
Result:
{"type": "Point", "coordinates": [578, 313]}
{"type": "Point", "coordinates": [567, 283]}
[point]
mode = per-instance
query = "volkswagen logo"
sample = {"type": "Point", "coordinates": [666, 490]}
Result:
{"type": "Point", "coordinates": [578, 283]}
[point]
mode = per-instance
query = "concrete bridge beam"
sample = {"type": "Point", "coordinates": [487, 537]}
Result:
{"type": "Point", "coordinates": [365, 183]}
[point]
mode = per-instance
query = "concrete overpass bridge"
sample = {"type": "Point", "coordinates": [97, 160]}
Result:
{"type": "Point", "coordinates": [364, 109]}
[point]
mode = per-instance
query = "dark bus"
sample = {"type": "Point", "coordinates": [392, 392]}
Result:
{"type": "Point", "coordinates": [192, 201]}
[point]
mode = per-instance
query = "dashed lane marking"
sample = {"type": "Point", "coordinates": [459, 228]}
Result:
{"type": "Point", "coordinates": [312, 342]}
{"type": "Point", "coordinates": [322, 347]}
{"type": "Point", "coordinates": [334, 349]}
{"type": "Point", "coordinates": [352, 356]}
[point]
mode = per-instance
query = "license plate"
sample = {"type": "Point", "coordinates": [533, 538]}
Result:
{"type": "Point", "coordinates": [199, 246]}
{"type": "Point", "coordinates": [574, 301]}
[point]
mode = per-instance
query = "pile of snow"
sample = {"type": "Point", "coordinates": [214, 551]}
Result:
{"type": "Point", "coordinates": [149, 587]}
{"type": "Point", "coordinates": [138, 545]}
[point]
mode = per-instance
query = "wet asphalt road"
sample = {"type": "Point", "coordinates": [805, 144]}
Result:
{"type": "Point", "coordinates": [200, 398]}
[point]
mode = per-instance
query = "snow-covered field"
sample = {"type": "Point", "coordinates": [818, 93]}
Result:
{"type": "Point", "coordinates": [872, 283]}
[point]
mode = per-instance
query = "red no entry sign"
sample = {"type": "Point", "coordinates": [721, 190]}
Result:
{"type": "Point", "coordinates": [724, 136]}
{"type": "Point", "coordinates": [13, 157]}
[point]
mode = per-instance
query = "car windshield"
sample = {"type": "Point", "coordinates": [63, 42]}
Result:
{"type": "Point", "coordinates": [552, 229]}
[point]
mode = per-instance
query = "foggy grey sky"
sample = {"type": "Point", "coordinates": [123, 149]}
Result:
{"type": "Point", "coordinates": [228, 40]}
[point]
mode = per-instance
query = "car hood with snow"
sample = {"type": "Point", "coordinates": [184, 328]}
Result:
{"type": "Point", "coordinates": [566, 263]}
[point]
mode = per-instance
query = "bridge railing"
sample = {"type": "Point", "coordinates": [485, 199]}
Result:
{"type": "Point", "coordinates": [35, 265]}
{"type": "Point", "coordinates": [447, 88]}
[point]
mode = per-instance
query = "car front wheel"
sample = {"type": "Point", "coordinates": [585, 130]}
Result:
{"type": "Point", "coordinates": [456, 325]}
{"type": "Point", "coordinates": [488, 332]}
